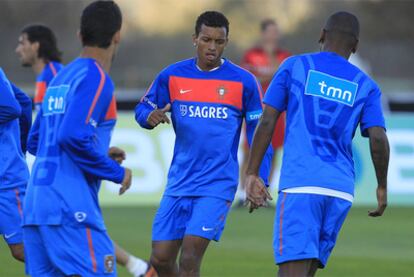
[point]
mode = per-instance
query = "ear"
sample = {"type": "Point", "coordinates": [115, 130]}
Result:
{"type": "Point", "coordinates": [35, 46]}
{"type": "Point", "coordinates": [227, 41]}
{"type": "Point", "coordinates": [322, 36]}
{"type": "Point", "coordinates": [353, 50]}
{"type": "Point", "coordinates": [195, 40]}
{"type": "Point", "coordinates": [78, 34]}
{"type": "Point", "coordinates": [116, 39]}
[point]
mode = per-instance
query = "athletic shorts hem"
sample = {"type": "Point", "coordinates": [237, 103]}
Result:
{"type": "Point", "coordinates": [167, 238]}
{"type": "Point", "coordinates": [17, 240]}
{"type": "Point", "coordinates": [209, 237]}
{"type": "Point", "coordinates": [291, 258]}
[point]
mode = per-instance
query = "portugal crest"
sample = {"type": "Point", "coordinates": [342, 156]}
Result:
{"type": "Point", "coordinates": [221, 91]}
{"type": "Point", "coordinates": [109, 263]}
{"type": "Point", "coordinates": [183, 110]}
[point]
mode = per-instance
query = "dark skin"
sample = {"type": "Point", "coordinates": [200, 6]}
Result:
{"type": "Point", "coordinates": [257, 195]}
{"type": "Point", "coordinates": [118, 155]}
{"type": "Point", "coordinates": [209, 44]}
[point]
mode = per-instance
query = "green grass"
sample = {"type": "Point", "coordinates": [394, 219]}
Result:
{"type": "Point", "coordinates": [366, 246]}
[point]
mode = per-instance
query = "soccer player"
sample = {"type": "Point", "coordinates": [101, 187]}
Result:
{"type": "Point", "coordinates": [325, 98]}
{"type": "Point", "coordinates": [64, 232]}
{"type": "Point", "coordinates": [263, 60]}
{"type": "Point", "coordinates": [37, 48]}
{"type": "Point", "coordinates": [208, 97]}
{"type": "Point", "coordinates": [15, 121]}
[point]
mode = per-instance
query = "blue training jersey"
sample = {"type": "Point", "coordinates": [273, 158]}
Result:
{"type": "Point", "coordinates": [43, 80]}
{"type": "Point", "coordinates": [76, 120]}
{"type": "Point", "coordinates": [207, 114]}
{"type": "Point", "coordinates": [13, 168]}
{"type": "Point", "coordinates": [325, 98]}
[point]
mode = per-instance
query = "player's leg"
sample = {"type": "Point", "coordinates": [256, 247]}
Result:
{"type": "Point", "coordinates": [299, 268]}
{"type": "Point", "coordinates": [167, 233]}
{"type": "Point", "coordinates": [314, 267]}
{"type": "Point", "coordinates": [17, 251]}
{"type": "Point", "coordinates": [135, 266]}
{"type": "Point", "coordinates": [297, 227]}
{"type": "Point", "coordinates": [336, 211]}
{"type": "Point", "coordinates": [11, 201]}
{"type": "Point", "coordinates": [164, 256]}
{"type": "Point", "coordinates": [192, 253]}
{"type": "Point", "coordinates": [206, 223]}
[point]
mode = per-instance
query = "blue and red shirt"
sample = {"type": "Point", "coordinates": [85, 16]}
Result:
{"type": "Point", "coordinates": [43, 79]}
{"type": "Point", "coordinates": [72, 139]}
{"type": "Point", "coordinates": [325, 98]}
{"type": "Point", "coordinates": [207, 111]}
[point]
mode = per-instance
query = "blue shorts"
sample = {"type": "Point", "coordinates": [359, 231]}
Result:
{"type": "Point", "coordinates": [63, 250]}
{"type": "Point", "coordinates": [306, 226]}
{"type": "Point", "coordinates": [197, 216]}
{"type": "Point", "coordinates": [11, 204]}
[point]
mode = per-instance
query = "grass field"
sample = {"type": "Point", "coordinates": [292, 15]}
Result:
{"type": "Point", "coordinates": [366, 246]}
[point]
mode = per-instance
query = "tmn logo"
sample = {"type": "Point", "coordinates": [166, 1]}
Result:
{"type": "Point", "coordinates": [331, 88]}
{"type": "Point", "coordinates": [55, 100]}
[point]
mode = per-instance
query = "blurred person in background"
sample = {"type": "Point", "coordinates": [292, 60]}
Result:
{"type": "Point", "coordinates": [15, 122]}
{"type": "Point", "coordinates": [37, 48]}
{"type": "Point", "coordinates": [326, 98]}
{"type": "Point", "coordinates": [263, 60]}
{"type": "Point", "coordinates": [208, 97]}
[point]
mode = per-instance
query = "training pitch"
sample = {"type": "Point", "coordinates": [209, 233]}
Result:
{"type": "Point", "coordinates": [366, 246]}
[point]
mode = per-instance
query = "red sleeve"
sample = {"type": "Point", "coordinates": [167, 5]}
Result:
{"type": "Point", "coordinates": [40, 92]}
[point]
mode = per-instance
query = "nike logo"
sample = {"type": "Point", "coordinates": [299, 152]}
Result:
{"type": "Point", "coordinates": [9, 236]}
{"type": "Point", "coordinates": [182, 91]}
{"type": "Point", "coordinates": [207, 229]}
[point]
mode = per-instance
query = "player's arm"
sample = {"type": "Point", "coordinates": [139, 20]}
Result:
{"type": "Point", "coordinates": [25, 118]}
{"type": "Point", "coordinates": [276, 102]}
{"type": "Point", "coordinates": [258, 182]}
{"type": "Point", "coordinates": [380, 154]}
{"type": "Point", "coordinates": [372, 125]}
{"type": "Point", "coordinates": [9, 106]}
{"type": "Point", "coordinates": [77, 132]}
{"type": "Point", "coordinates": [152, 109]}
{"type": "Point", "coordinates": [257, 195]}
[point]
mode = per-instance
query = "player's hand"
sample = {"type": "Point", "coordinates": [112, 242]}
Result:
{"type": "Point", "coordinates": [382, 202]}
{"type": "Point", "coordinates": [117, 154]}
{"type": "Point", "coordinates": [126, 183]}
{"type": "Point", "coordinates": [158, 116]}
{"type": "Point", "coordinates": [256, 192]}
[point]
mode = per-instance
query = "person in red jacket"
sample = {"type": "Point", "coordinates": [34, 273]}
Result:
{"type": "Point", "coordinates": [263, 60]}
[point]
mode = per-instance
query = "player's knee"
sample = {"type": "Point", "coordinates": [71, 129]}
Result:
{"type": "Point", "coordinates": [17, 252]}
{"type": "Point", "coordinates": [161, 261]}
{"type": "Point", "coordinates": [189, 262]}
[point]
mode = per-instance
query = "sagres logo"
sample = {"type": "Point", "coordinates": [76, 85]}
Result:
{"type": "Point", "coordinates": [204, 111]}
{"type": "Point", "coordinates": [55, 100]}
{"type": "Point", "coordinates": [331, 88]}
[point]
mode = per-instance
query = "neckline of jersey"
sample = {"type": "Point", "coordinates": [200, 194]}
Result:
{"type": "Point", "coordinates": [212, 71]}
